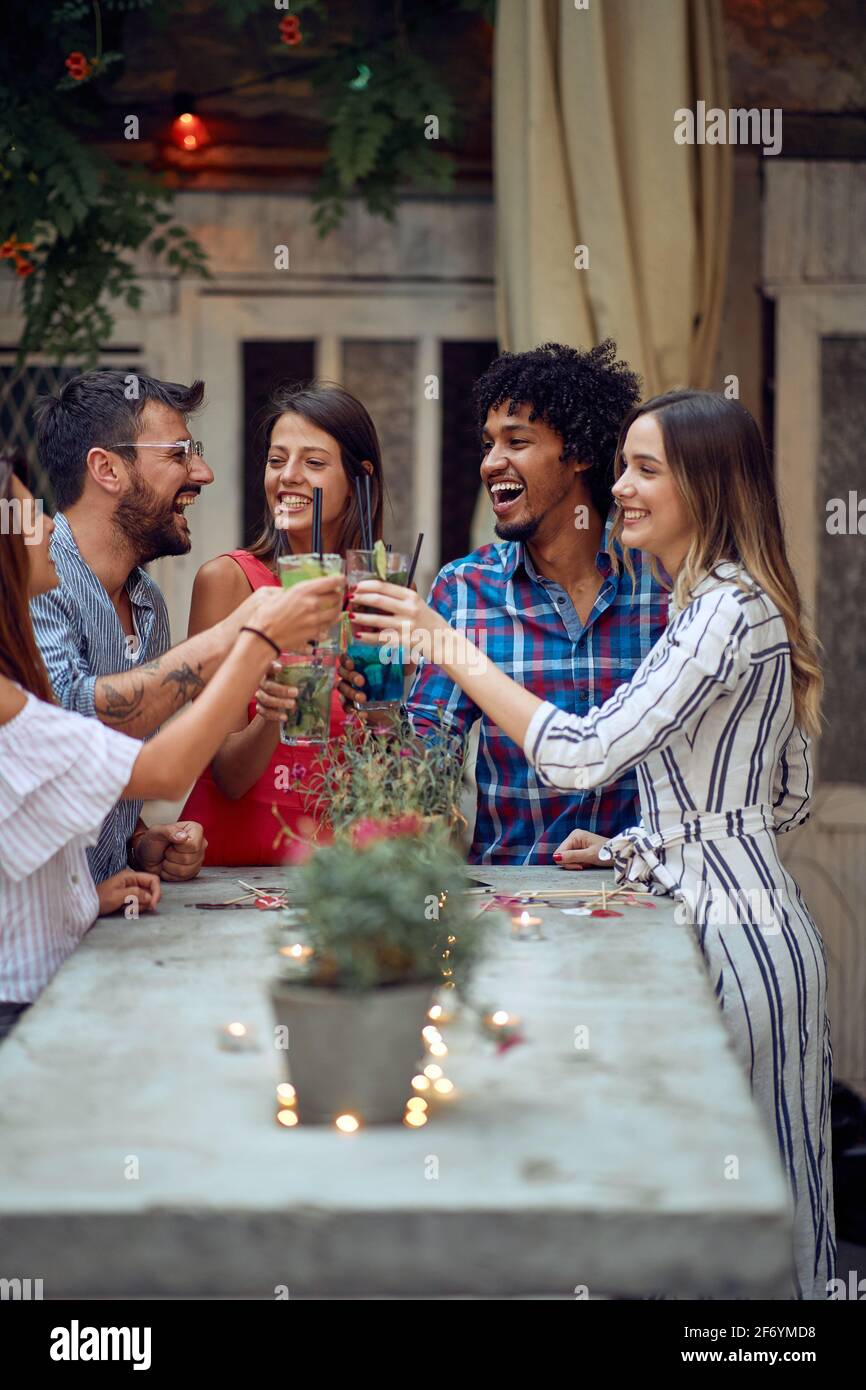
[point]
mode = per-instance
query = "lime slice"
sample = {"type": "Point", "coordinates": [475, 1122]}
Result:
{"type": "Point", "coordinates": [380, 560]}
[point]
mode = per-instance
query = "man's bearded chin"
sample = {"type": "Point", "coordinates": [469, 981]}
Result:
{"type": "Point", "coordinates": [148, 525]}
{"type": "Point", "coordinates": [517, 530]}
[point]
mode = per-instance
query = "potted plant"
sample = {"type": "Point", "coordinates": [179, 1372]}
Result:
{"type": "Point", "coordinates": [388, 923]}
{"type": "Point", "coordinates": [386, 771]}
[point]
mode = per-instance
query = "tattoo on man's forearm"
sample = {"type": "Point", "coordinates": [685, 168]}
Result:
{"type": "Point", "coordinates": [115, 707]}
{"type": "Point", "coordinates": [189, 682]}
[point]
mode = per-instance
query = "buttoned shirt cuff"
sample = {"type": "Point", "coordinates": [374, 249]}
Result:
{"type": "Point", "coordinates": [82, 697]}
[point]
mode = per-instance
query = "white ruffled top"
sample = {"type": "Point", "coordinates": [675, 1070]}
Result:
{"type": "Point", "coordinates": [60, 775]}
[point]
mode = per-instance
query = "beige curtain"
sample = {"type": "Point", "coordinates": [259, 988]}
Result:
{"type": "Point", "coordinates": [584, 103]}
{"type": "Point", "coordinates": [584, 155]}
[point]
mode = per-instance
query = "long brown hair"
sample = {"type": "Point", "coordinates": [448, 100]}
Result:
{"type": "Point", "coordinates": [719, 463]}
{"type": "Point", "coordinates": [20, 658]}
{"type": "Point", "coordinates": [345, 419]}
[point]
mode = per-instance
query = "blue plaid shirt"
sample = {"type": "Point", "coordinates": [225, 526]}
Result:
{"type": "Point", "coordinates": [529, 627]}
{"type": "Point", "coordinates": [81, 638]}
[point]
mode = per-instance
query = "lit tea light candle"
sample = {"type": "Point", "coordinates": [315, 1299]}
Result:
{"type": "Point", "coordinates": [347, 1124]}
{"type": "Point", "coordinates": [435, 1013]}
{"type": "Point", "coordinates": [525, 922]}
{"type": "Point", "coordinates": [438, 1049]}
{"type": "Point", "coordinates": [414, 1119]}
{"type": "Point", "coordinates": [237, 1037]}
{"type": "Point", "coordinates": [286, 1094]}
{"type": "Point", "coordinates": [443, 1087]}
{"type": "Point", "coordinates": [297, 951]}
{"type": "Point", "coordinates": [433, 1071]}
{"type": "Point", "coordinates": [416, 1103]}
{"type": "Point", "coordinates": [287, 1118]}
{"type": "Point", "coordinates": [431, 1034]}
{"type": "Point", "coordinates": [420, 1083]}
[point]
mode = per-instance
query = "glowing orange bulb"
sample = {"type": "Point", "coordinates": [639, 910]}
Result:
{"type": "Point", "coordinates": [189, 131]}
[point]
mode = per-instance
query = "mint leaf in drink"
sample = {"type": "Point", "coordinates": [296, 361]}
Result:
{"type": "Point", "coordinates": [380, 560]}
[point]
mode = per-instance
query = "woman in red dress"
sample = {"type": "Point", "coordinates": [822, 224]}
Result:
{"type": "Point", "coordinates": [315, 436]}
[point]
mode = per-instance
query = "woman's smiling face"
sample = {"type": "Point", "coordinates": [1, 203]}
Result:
{"type": "Point", "coordinates": [654, 511]}
{"type": "Point", "coordinates": [301, 457]}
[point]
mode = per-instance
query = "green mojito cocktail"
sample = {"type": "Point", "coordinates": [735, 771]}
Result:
{"type": "Point", "coordinates": [313, 673]}
{"type": "Point", "coordinates": [381, 667]}
{"type": "Point", "coordinates": [295, 569]}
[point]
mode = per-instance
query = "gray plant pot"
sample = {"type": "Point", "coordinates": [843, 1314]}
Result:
{"type": "Point", "coordinates": [353, 1053]}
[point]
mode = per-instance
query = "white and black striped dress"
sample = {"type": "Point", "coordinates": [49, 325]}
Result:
{"type": "Point", "coordinates": [722, 770]}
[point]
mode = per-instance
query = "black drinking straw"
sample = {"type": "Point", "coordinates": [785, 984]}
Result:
{"type": "Point", "coordinates": [369, 511]}
{"type": "Point", "coordinates": [413, 566]}
{"type": "Point", "coordinates": [360, 500]}
{"type": "Point", "coordinates": [317, 522]}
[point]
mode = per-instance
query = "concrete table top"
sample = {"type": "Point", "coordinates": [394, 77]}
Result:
{"type": "Point", "coordinates": [137, 1158]}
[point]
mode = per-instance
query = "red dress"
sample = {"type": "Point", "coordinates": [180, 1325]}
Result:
{"type": "Point", "coordinates": [243, 831]}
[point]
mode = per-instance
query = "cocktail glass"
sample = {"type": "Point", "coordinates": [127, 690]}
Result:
{"type": "Point", "coordinates": [380, 666]}
{"type": "Point", "coordinates": [313, 673]}
{"type": "Point", "coordinates": [295, 569]}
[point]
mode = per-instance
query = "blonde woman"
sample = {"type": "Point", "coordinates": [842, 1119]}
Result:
{"type": "Point", "coordinates": [717, 721]}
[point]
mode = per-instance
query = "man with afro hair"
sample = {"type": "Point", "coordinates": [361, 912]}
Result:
{"type": "Point", "coordinates": [545, 602]}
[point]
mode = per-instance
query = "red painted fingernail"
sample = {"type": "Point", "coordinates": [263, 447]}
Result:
{"type": "Point", "coordinates": [557, 858]}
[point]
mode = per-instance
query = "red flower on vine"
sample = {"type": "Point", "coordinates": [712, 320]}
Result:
{"type": "Point", "coordinates": [11, 249]}
{"type": "Point", "coordinates": [78, 66]}
{"type": "Point", "coordinates": [290, 30]}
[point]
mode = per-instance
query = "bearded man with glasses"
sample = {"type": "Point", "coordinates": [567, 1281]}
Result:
{"type": "Point", "coordinates": [124, 470]}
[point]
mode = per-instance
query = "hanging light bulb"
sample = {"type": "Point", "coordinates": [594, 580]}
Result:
{"type": "Point", "coordinates": [188, 130]}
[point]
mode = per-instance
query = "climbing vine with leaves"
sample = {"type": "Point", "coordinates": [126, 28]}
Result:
{"type": "Point", "coordinates": [72, 219]}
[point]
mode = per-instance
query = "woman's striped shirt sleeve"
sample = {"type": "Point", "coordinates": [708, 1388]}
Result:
{"type": "Point", "coordinates": [701, 656]}
{"type": "Point", "coordinates": [792, 783]}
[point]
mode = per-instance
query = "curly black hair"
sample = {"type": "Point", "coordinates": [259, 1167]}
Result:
{"type": "Point", "coordinates": [583, 396]}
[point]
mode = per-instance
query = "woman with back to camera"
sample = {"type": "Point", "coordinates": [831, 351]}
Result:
{"type": "Point", "coordinates": [717, 721]}
{"type": "Point", "coordinates": [61, 773]}
{"type": "Point", "coordinates": [315, 435]}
